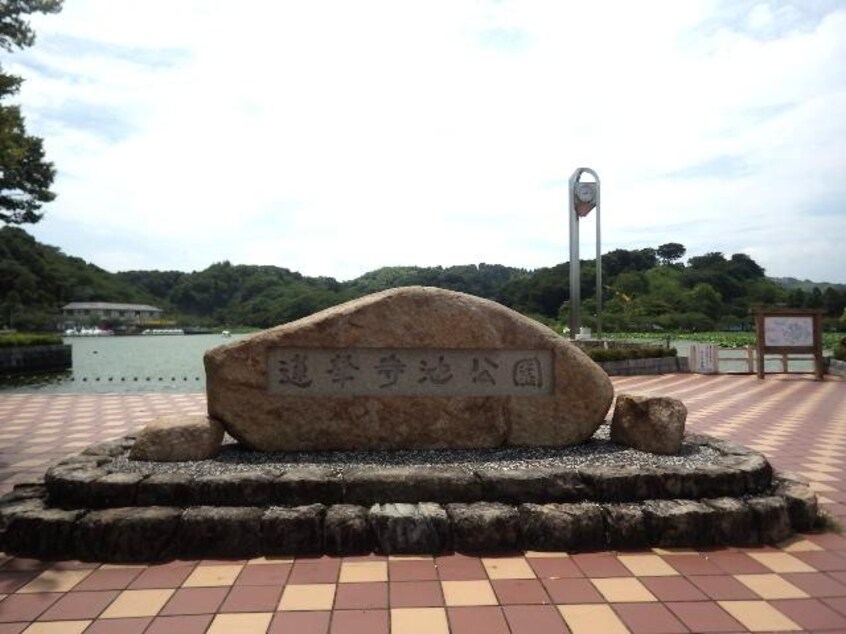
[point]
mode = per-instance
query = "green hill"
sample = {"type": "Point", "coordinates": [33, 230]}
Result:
{"type": "Point", "coordinates": [641, 290]}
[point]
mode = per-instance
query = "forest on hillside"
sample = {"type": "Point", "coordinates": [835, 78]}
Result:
{"type": "Point", "coordinates": [643, 289]}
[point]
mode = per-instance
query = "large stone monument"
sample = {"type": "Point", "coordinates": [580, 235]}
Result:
{"type": "Point", "coordinates": [413, 367]}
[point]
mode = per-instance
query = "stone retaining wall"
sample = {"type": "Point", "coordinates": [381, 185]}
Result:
{"type": "Point", "coordinates": [31, 359]}
{"type": "Point", "coordinates": [630, 367]}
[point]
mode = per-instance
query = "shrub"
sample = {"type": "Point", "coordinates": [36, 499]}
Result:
{"type": "Point", "coordinates": [623, 354]}
{"type": "Point", "coordinates": [20, 339]}
{"type": "Point", "coordinates": [840, 350]}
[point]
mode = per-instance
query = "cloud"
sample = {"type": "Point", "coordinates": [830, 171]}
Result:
{"type": "Point", "coordinates": [333, 138]}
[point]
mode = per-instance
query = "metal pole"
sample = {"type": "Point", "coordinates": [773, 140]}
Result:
{"type": "Point", "coordinates": [598, 265]}
{"type": "Point", "coordinates": [575, 287]}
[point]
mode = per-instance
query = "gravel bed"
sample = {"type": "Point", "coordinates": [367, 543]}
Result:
{"type": "Point", "coordinates": [598, 451]}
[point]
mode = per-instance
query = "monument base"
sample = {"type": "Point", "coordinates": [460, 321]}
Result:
{"type": "Point", "coordinates": [90, 507]}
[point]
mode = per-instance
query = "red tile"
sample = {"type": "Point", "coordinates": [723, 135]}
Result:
{"type": "Point", "coordinates": [838, 603]}
{"type": "Point", "coordinates": [26, 607]}
{"type": "Point", "coordinates": [263, 575]}
{"type": "Point", "coordinates": [415, 594]}
{"type": "Point", "coordinates": [477, 620]}
{"type": "Point", "coordinates": [572, 591]}
{"type": "Point", "coordinates": [412, 571]}
{"type": "Point", "coordinates": [196, 624]}
{"type": "Point", "coordinates": [600, 565]}
{"type": "Point", "coordinates": [520, 591]}
{"type": "Point", "coordinates": [723, 588]}
{"type": "Point", "coordinates": [816, 584]}
{"type": "Point", "coordinates": [694, 565]}
{"type": "Point", "coordinates": [823, 560]}
{"type": "Point", "coordinates": [11, 581]}
{"type": "Point", "coordinates": [161, 577]}
{"type": "Point", "coordinates": [704, 616]}
{"type": "Point", "coordinates": [554, 567]}
{"type": "Point", "coordinates": [300, 623]}
{"type": "Point", "coordinates": [460, 568]}
{"type": "Point", "coordinates": [252, 599]}
{"type": "Point", "coordinates": [648, 618]}
{"type": "Point", "coordinates": [736, 563]}
{"type": "Point", "coordinates": [829, 541]}
{"type": "Point", "coordinates": [76, 606]}
{"type": "Point", "coordinates": [361, 596]}
{"type": "Point", "coordinates": [117, 579]}
{"type": "Point", "coordinates": [359, 622]}
{"type": "Point", "coordinates": [534, 619]}
{"type": "Point", "coordinates": [673, 589]}
{"type": "Point", "coordinates": [322, 570]}
{"type": "Point", "coordinates": [13, 628]}
{"type": "Point", "coordinates": [810, 614]}
{"type": "Point", "coordinates": [118, 626]}
{"type": "Point", "coordinates": [194, 601]}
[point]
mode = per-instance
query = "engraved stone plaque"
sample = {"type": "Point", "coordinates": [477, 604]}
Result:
{"type": "Point", "coordinates": [409, 372]}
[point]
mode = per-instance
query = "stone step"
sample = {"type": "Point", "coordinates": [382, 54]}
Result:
{"type": "Point", "coordinates": [92, 480]}
{"type": "Point", "coordinates": [30, 528]}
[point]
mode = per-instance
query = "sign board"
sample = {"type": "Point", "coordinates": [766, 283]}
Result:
{"type": "Point", "coordinates": [789, 332]}
{"type": "Point", "coordinates": [704, 358]}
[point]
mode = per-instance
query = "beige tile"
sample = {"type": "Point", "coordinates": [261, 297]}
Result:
{"type": "Point", "coordinates": [132, 603]}
{"type": "Point", "coordinates": [647, 566]}
{"type": "Point", "coordinates": [798, 544]}
{"type": "Point", "coordinates": [771, 587]}
{"type": "Point", "coordinates": [260, 561]}
{"type": "Point", "coordinates": [309, 596]}
{"type": "Point", "coordinates": [363, 571]}
{"type": "Point", "coordinates": [819, 487]}
{"type": "Point", "coordinates": [508, 568]}
{"type": "Point", "coordinates": [759, 616]}
{"type": "Point", "coordinates": [819, 476]}
{"type": "Point", "coordinates": [464, 593]}
{"type": "Point", "coordinates": [419, 621]}
{"type": "Point", "coordinates": [206, 576]}
{"type": "Point", "coordinates": [539, 554]}
{"type": "Point", "coordinates": [675, 551]}
{"type": "Point", "coordinates": [57, 627]}
{"type": "Point", "coordinates": [590, 619]}
{"type": "Point", "coordinates": [55, 581]}
{"type": "Point", "coordinates": [782, 562]}
{"type": "Point", "coordinates": [255, 623]}
{"type": "Point", "coordinates": [623, 590]}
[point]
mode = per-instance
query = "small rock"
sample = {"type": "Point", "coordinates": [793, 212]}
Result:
{"type": "Point", "coordinates": [653, 424]}
{"type": "Point", "coordinates": [347, 530]}
{"type": "Point", "coordinates": [484, 527]}
{"type": "Point", "coordinates": [410, 528]}
{"type": "Point", "coordinates": [178, 438]}
{"type": "Point", "coordinates": [294, 530]}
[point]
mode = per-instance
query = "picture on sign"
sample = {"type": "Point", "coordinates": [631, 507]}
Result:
{"type": "Point", "coordinates": [791, 332]}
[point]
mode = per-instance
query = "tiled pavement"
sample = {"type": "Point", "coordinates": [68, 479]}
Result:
{"type": "Point", "coordinates": [798, 586]}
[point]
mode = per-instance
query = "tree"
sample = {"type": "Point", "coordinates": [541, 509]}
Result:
{"type": "Point", "coordinates": [671, 252]}
{"type": "Point", "coordinates": [25, 175]}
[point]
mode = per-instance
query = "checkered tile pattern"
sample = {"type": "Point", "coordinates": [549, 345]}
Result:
{"type": "Point", "coordinates": [799, 585]}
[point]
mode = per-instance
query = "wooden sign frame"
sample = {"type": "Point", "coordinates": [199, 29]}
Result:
{"type": "Point", "coordinates": [787, 331]}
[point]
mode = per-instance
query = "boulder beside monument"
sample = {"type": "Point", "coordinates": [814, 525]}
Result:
{"type": "Point", "coordinates": [412, 367]}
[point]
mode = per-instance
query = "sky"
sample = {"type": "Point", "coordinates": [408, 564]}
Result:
{"type": "Point", "coordinates": [334, 138]}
